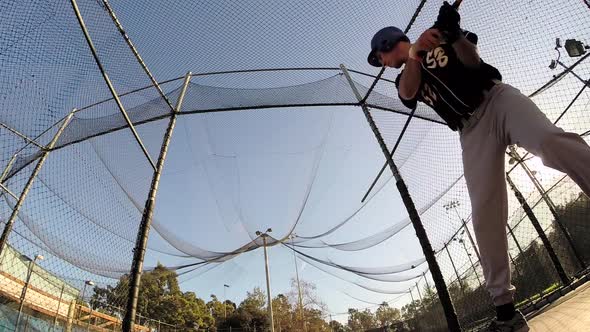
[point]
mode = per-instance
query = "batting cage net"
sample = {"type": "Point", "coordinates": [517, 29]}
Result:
{"type": "Point", "coordinates": [238, 116]}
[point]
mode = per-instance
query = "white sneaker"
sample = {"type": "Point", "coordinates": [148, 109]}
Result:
{"type": "Point", "coordinates": [516, 324]}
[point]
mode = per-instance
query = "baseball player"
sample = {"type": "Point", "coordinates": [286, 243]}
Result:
{"type": "Point", "coordinates": [443, 70]}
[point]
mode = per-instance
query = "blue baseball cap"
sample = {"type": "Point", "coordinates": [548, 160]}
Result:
{"type": "Point", "coordinates": [384, 41]}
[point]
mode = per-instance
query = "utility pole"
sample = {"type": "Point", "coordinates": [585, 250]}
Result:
{"type": "Point", "coordinates": [300, 296]}
{"type": "Point", "coordinates": [224, 300]}
{"type": "Point", "coordinates": [270, 315]}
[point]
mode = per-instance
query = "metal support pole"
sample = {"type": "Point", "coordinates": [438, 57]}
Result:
{"type": "Point", "coordinates": [529, 212]}
{"type": "Point", "coordinates": [89, 318]}
{"type": "Point", "coordinates": [585, 82]}
{"type": "Point", "coordinates": [3, 187]}
{"type": "Point", "coordinates": [224, 299]}
{"type": "Point", "coordinates": [513, 262]}
{"type": "Point", "coordinates": [470, 261]}
{"type": "Point", "coordinates": [29, 184]}
{"type": "Point", "coordinates": [421, 299]}
{"type": "Point", "coordinates": [81, 301]}
{"type": "Point", "coordinates": [469, 236]}
{"type": "Point", "coordinates": [58, 306]}
{"type": "Point", "coordinates": [399, 139]}
{"type": "Point", "coordinates": [109, 84]}
{"type": "Point", "coordinates": [441, 287]}
{"type": "Point", "coordinates": [515, 240]}
{"type": "Point", "coordinates": [425, 280]}
{"type": "Point", "coordinates": [551, 206]}
{"type": "Point", "coordinates": [70, 319]}
{"type": "Point", "coordinates": [269, 307]}
{"type": "Point", "coordinates": [300, 297]}
{"type": "Point", "coordinates": [455, 269]}
{"type": "Point", "coordinates": [146, 220]}
{"type": "Point", "coordinates": [21, 135]}
{"type": "Point", "coordinates": [8, 167]}
{"type": "Point", "coordinates": [23, 294]}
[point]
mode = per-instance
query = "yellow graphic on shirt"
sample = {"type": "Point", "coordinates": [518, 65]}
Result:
{"type": "Point", "coordinates": [437, 58]}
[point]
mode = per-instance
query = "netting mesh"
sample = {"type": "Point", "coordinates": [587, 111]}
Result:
{"type": "Point", "coordinates": [285, 147]}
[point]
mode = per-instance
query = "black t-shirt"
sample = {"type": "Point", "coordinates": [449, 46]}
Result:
{"type": "Point", "coordinates": [452, 89]}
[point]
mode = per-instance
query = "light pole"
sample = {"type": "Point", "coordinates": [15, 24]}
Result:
{"type": "Point", "coordinates": [86, 283]}
{"type": "Point", "coordinates": [300, 296]}
{"type": "Point", "coordinates": [26, 286]}
{"type": "Point", "coordinates": [224, 300]}
{"type": "Point", "coordinates": [270, 316]}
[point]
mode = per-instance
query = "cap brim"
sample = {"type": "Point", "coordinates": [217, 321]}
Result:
{"type": "Point", "coordinates": [373, 59]}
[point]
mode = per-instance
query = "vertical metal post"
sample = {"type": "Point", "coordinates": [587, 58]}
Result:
{"type": "Point", "coordinates": [520, 252]}
{"type": "Point", "coordinates": [29, 184]}
{"type": "Point", "coordinates": [269, 307]}
{"type": "Point", "coordinates": [470, 260]}
{"type": "Point", "coordinates": [23, 294]}
{"type": "Point", "coordinates": [468, 234]}
{"type": "Point", "coordinates": [413, 300]}
{"type": "Point", "coordinates": [551, 205]}
{"type": "Point", "coordinates": [513, 262]}
{"type": "Point", "coordinates": [425, 280]}
{"type": "Point", "coordinates": [89, 318]}
{"type": "Point", "coordinates": [224, 305]}
{"type": "Point", "coordinates": [71, 311]}
{"type": "Point", "coordinates": [439, 282]}
{"type": "Point", "coordinates": [421, 299]}
{"type": "Point", "coordinates": [515, 240]}
{"type": "Point", "coordinates": [58, 306]}
{"type": "Point", "coordinates": [300, 297]}
{"type": "Point", "coordinates": [455, 269]}
{"type": "Point", "coordinates": [548, 247]}
{"type": "Point", "coordinates": [146, 220]}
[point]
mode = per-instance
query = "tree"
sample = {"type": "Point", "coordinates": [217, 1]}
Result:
{"type": "Point", "coordinates": [282, 313]}
{"type": "Point", "coordinates": [221, 311]}
{"type": "Point", "coordinates": [313, 307]}
{"type": "Point", "coordinates": [387, 315]}
{"type": "Point", "coordinates": [159, 298]}
{"type": "Point", "coordinates": [575, 217]}
{"type": "Point", "coordinates": [251, 313]}
{"type": "Point", "coordinates": [359, 321]}
{"type": "Point", "coordinates": [336, 326]}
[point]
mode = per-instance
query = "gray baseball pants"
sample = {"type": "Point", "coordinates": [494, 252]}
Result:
{"type": "Point", "coordinates": [507, 117]}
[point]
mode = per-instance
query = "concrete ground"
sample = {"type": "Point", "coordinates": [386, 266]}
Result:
{"type": "Point", "coordinates": [571, 313]}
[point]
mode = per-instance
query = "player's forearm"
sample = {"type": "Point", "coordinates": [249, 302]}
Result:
{"type": "Point", "coordinates": [467, 52]}
{"type": "Point", "coordinates": [410, 80]}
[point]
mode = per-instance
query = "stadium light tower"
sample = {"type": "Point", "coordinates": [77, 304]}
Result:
{"type": "Point", "coordinates": [270, 316]}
